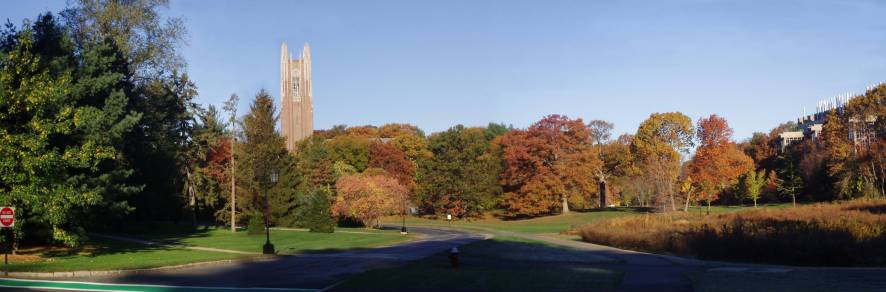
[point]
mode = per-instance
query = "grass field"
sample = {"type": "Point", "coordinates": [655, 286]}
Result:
{"type": "Point", "coordinates": [548, 224]}
{"type": "Point", "coordinates": [500, 264]}
{"type": "Point", "coordinates": [285, 241]}
{"type": "Point", "coordinates": [100, 254]}
{"type": "Point", "coordinates": [108, 254]}
{"type": "Point", "coordinates": [558, 223]}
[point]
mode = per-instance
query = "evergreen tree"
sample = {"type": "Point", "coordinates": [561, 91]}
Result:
{"type": "Point", "coordinates": [63, 115]}
{"type": "Point", "coordinates": [262, 153]}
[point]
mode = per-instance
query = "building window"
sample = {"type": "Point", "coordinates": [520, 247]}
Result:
{"type": "Point", "coordinates": [296, 95]}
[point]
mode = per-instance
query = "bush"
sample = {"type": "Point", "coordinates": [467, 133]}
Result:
{"type": "Point", "coordinates": [318, 216]}
{"type": "Point", "coordinates": [837, 234]}
{"type": "Point", "coordinates": [256, 225]}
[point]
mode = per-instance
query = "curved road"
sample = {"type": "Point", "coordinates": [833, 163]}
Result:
{"type": "Point", "coordinates": [299, 271]}
{"type": "Point", "coordinates": [643, 271]}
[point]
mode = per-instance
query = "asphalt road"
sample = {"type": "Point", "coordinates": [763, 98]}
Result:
{"type": "Point", "coordinates": [299, 271]}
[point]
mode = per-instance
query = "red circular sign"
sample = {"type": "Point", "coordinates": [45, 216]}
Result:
{"type": "Point", "coordinates": [7, 216]}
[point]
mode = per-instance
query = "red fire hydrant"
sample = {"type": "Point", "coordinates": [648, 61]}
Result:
{"type": "Point", "coordinates": [453, 257]}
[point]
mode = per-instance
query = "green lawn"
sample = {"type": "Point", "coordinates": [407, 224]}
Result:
{"type": "Point", "coordinates": [548, 224]}
{"type": "Point", "coordinates": [500, 264]}
{"type": "Point", "coordinates": [556, 223]}
{"type": "Point", "coordinates": [108, 254]}
{"type": "Point", "coordinates": [285, 241]}
{"type": "Point", "coordinates": [102, 254]}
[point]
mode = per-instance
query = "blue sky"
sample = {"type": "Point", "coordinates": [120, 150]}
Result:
{"type": "Point", "coordinates": [440, 63]}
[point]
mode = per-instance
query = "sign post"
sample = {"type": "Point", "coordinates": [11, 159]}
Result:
{"type": "Point", "coordinates": [7, 220]}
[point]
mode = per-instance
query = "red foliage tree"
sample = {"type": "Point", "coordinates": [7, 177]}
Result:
{"type": "Point", "coordinates": [548, 166]}
{"type": "Point", "coordinates": [393, 161]}
{"type": "Point", "coordinates": [717, 162]}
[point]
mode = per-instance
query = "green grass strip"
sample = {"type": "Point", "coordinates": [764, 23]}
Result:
{"type": "Point", "coordinates": [86, 286]}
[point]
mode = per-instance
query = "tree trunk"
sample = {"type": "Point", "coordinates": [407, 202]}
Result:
{"type": "Point", "coordinates": [755, 203]}
{"type": "Point", "coordinates": [794, 199]}
{"type": "Point", "coordinates": [709, 206]}
{"type": "Point", "coordinates": [688, 198]}
{"type": "Point", "coordinates": [565, 205]}
{"type": "Point", "coordinates": [192, 193]}
{"type": "Point", "coordinates": [233, 191]}
{"type": "Point", "coordinates": [602, 194]}
{"type": "Point", "coordinates": [673, 202]}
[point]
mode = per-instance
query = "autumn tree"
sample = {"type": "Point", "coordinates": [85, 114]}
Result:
{"type": "Point", "coordinates": [752, 184]}
{"type": "Point", "coordinates": [206, 163]}
{"type": "Point", "coordinates": [600, 132]}
{"type": "Point", "coordinates": [657, 149]}
{"type": "Point", "coordinates": [461, 175]}
{"type": "Point", "coordinates": [548, 166]}
{"type": "Point", "coordinates": [363, 131]}
{"type": "Point", "coordinates": [618, 164]}
{"type": "Point", "coordinates": [394, 129]}
{"type": "Point", "coordinates": [393, 161]}
{"type": "Point", "coordinates": [351, 149]}
{"type": "Point", "coordinates": [316, 164]}
{"type": "Point", "coordinates": [368, 197]}
{"type": "Point", "coordinates": [717, 163]}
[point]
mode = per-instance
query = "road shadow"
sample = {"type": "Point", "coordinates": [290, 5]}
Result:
{"type": "Point", "coordinates": [494, 265]}
{"type": "Point", "coordinates": [307, 270]}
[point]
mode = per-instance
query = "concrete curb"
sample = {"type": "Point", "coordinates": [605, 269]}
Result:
{"type": "Point", "coordinates": [77, 274]}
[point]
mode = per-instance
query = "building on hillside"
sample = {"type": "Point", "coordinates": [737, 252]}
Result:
{"type": "Point", "coordinates": [812, 125]}
{"type": "Point", "coordinates": [296, 97]}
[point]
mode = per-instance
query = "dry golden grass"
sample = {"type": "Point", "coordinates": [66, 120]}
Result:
{"type": "Point", "coordinates": [831, 234]}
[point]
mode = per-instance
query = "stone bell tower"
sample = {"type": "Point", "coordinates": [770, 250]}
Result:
{"type": "Point", "coordinates": [297, 113]}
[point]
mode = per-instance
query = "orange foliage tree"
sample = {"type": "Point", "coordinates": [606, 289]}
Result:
{"type": "Point", "coordinates": [393, 161]}
{"type": "Point", "coordinates": [657, 148]}
{"type": "Point", "coordinates": [368, 197]}
{"type": "Point", "coordinates": [718, 162]}
{"type": "Point", "coordinates": [548, 166]}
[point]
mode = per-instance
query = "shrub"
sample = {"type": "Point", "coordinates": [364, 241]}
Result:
{"type": "Point", "coordinates": [837, 234]}
{"type": "Point", "coordinates": [368, 197]}
{"type": "Point", "coordinates": [318, 216]}
{"type": "Point", "coordinates": [256, 225]}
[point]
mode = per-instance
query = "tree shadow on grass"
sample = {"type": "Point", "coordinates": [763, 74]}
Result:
{"type": "Point", "coordinates": [167, 232]}
{"type": "Point", "coordinates": [874, 209]}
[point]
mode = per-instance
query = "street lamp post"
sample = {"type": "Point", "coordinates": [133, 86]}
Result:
{"type": "Point", "coordinates": [268, 248]}
{"type": "Point", "coordinates": [403, 229]}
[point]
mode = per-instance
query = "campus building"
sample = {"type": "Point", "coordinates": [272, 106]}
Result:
{"type": "Point", "coordinates": [297, 111]}
{"type": "Point", "coordinates": [812, 125]}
